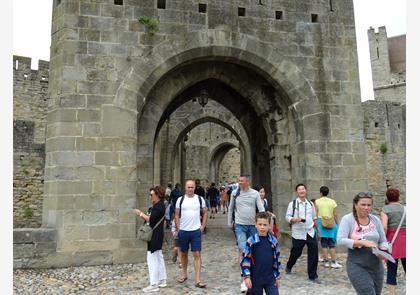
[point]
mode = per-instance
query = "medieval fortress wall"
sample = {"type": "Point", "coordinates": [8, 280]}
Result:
{"type": "Point", "coordinates": [286, 71]}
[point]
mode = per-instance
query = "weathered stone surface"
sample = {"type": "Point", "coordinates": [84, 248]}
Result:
{"type": "Point", "coordinates": [126, 112]}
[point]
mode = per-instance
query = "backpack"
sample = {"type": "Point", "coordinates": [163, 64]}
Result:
{"type": "Point", "coordinates": [182, 200]}
{"type": "Point", "coordinates": [327, 222]}
{"type": "Point", "coordinates": [294, 207]}
{"type": "Point", "coordinates": [238, 192]}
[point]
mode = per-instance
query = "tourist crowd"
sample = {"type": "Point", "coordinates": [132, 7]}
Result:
{"type": "Point", "coordinates": [370, 240]}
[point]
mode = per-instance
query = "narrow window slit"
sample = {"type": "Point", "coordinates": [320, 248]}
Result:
{"type": "Point", "coordinates": [161, 4]}
{"type": "Point", "coordinates": [202, 8]}
{"type": "Point", "coordinates": [279, 14]}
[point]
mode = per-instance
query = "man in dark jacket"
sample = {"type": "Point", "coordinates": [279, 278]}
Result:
{"type": "Point", "coordinates": [173, 197]}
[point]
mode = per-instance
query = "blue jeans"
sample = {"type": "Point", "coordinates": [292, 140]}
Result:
{"type": "Point", "coordinates": [270, 289]}
{"type": "Point", "coordinates": [243, 232]}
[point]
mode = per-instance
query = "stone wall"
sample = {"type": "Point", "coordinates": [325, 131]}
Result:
{"type": "Point", "coordinates": [30, 100]}
{"type": "Point", "coordinates": [34, 247]}
{"type": "Point", "coordinates": [385, 128]}
{"type": "Point", "coordinates": [230, 166]}
{"type": "Point", "coordinates": [114, 80]}
{"type": "Point", "coordinates": [198, 151]}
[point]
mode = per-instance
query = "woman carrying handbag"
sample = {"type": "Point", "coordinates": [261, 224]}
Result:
{"type": "Point", "coordinates": [393, 221]}
{"type": "Point", "coordinates": [155, 261]}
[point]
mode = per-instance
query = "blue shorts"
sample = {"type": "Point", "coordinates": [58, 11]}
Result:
{"type": "Point", "coordinates": [327, 243]}
{"type": "Point", "coordinates": [242, 233]}
{"type": "Point", "coordinates": [185, 238]}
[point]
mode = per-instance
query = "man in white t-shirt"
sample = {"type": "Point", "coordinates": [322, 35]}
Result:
{"type": "Point", "coordinates": [190, 229]}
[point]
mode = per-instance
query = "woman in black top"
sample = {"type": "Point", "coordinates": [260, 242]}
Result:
{"type": "Point", "coordinates": [155, 261]}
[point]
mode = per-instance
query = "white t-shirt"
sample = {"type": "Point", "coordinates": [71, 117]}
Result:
{"type": "Point", "coordinates": [190, 212]}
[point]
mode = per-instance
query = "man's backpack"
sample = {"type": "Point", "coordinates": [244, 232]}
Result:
{"type": "Point", "coordinates": [294, 207]}
{"type": "Point", "coordinates": [238, 192]}
{"type": "Point", "coordinates": [201, 204]}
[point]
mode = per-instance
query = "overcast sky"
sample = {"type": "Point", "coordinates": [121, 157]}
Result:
{"type": "Point", "coordinates": [32, 28]}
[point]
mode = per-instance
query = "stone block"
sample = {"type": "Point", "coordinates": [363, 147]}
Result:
{"type": "Point", "coordinates": [122, 173]}
{"type": "Point", "coordinates": [99, 232]}
{"type": "Point", "coordinates": [74, 47]}
{"type": "Point", "coordinates": [23, 250]}
{"type": "Point", "coordinates": [62, 115]}
{"type": "Point", "coordinates": [64, 129]}
{"type": "Point", "coordinates": [112, 10]}
{"type": "Point", "coordinates": [89, 8]}
{"type": "Point", "coordinates": [70, 187]}
{"type": "Point", "coordinates": [127, 231]}
{"type": "Point", "coordinates": [85, 258]}
{"type": "Point", "coordinates": [64, 202]}
{"type": "Point", "coordinates": [74, 74]}
{"type": "Point", "coordinates": [331, 160]}
{"type": "Point", "coordinates": [73, 101]}
{"type": "Point", "coordinates": [118, 122]}
{"type": "Point", "coordinates": [355, 159]}
{"type": "Point", "coordinates": [109, 36]}
{"type": "Point", "coordinates": [44, 235]}
{"type": "Point", "coordinates": [106, 158]}
{"type": "Point", "coordinates": [131, 243]}
{"type": "Point", "coordinates": [90, 173]}
{"type": "Point", "coordinates": [63, 143]}
{"type": "Point", "coordinates": [89, 35]}
{"type": "Point", "coordinates": [95, 101]}
{"type": "Point", "coordinates": [91, 129]}
{"type": "Point", "coordinates": [86, 143]}
{"type": "Point", "coordinates": [22, 236]}
{"type": "Point", "coordinates": [43, 249]}
{"type": "Point", "coordinates": [92, 201]}
{"type": "Point", "coordinates": [75, 232]}
{"type": "Point", "coordinates": [63, 158]}
{"type": "Point", "coordinates": [339, 147]}
{"type": "Point", "coordinates": [97, 88]}
{"type": "Point", "coordinates": [73, 217]}
{"type": "Point", "coordinates": [88, 115]}
{"type": "Point", "coordinates": [59, 259]}
{"type": "Point", "coordinates": [130, 255]}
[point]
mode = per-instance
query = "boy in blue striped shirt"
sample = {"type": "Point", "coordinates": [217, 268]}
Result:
{"type": "Point", "coordinates": [260, 263]}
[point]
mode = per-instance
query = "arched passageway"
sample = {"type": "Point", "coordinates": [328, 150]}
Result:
{"type": "Point", "coordinates": [261, 110]}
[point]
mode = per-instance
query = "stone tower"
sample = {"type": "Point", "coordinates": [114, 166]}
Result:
{"type": "Point", "coordinates": [286, 70]}
{"type": "Point", "coordinates": [387, 58]}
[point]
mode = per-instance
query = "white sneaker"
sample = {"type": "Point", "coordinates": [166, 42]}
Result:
{"type": "Point", "coordinates": [336, 265]}
{"type": "Point", "coordinates": [162, 284]}
{"type": "Point", "coordinates": [151, 289]}
{"type": "Point", "coordinates": [326, 263]}
{"type": "Point", "coordinates": [244, 288]}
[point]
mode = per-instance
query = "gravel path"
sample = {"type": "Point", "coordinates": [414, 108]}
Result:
{"type": "Point", "coordinates": [220, 272]}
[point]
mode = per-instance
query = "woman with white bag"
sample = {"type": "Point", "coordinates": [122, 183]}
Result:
{"type": "Point", "coordinates": [393, 221]}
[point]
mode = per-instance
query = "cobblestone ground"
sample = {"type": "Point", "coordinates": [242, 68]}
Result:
{"type": "Point", "coordinates": [220, 272]}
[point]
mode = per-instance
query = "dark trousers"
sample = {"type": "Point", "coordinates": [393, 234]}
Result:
{"type": "Point", "coordinates": [258, 287]}
{"type": "Point", "coordinates": [391, 273]}
{"type": "Point", "coordinates": [297, 247]}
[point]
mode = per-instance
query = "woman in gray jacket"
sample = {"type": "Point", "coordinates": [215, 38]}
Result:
{"type": "Point", "coordinates": [361, 231]}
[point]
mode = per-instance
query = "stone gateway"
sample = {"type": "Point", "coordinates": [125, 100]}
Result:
{"type": "Point", "coordinates": [128, 83]}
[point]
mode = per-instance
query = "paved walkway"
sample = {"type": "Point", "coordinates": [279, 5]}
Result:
{"type": "Point", "coordinates": [220, 273]}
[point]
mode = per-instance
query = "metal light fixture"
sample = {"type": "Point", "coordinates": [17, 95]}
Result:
{"type": "Point", "coordinates": [203, 98]}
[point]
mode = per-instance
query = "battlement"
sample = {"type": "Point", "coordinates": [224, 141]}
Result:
{"type": "Point", "coordinates": [22, 67]}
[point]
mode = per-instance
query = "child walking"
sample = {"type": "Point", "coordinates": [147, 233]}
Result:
{"type": "Point", "coordinates": [260, 259]}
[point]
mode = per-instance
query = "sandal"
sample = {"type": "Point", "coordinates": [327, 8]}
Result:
{"type": "Point", "coordinates": [181, 280]}
{"type": "Point", "coordinates": [200, 285]}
